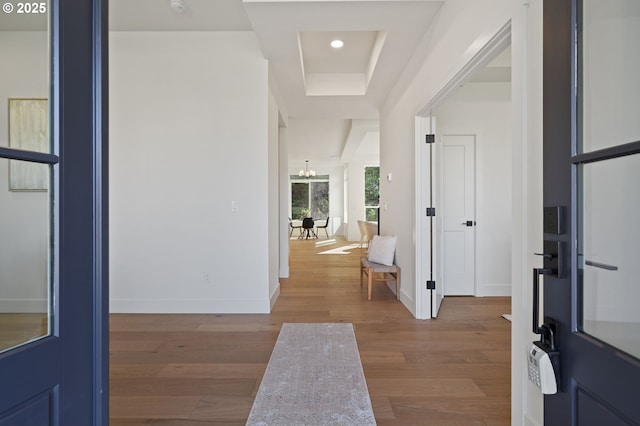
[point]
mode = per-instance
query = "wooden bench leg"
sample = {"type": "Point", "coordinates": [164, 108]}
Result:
{"type": "Point", "coordinates": [370, 275]}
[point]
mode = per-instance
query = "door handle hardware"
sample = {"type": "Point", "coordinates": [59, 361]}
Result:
{"type": "Point", "coordinates": [553, 259]}
{"type": "Point", "coordinates": [545, 255]}
{"type": "Point", "coordinates": [547, 330]}
{"type": "Point", "coordinates": [468, 223]}
{"type": "Point", "coordinates": [600, 265]}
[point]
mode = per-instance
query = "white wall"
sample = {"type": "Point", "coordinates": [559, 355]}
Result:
{"type": "Point", "coordinates": [527, 401]}
{"type": "Point", "coordinates": [285, 201]}
{"type": "Point", "coordinates": [189, 137]}
{"type": "Point", "coordinates": [336, 200]}
{"type": "Point", "coordinates": [461, 29]}
{"type": "Point", "coordinates": [24, 216]}
{"type": "Point", "coordinates": [484, 110]}
{"type": "Point", "coordinates": [274, 230]}
{"type": "Point", "coordinates": [316, 140]}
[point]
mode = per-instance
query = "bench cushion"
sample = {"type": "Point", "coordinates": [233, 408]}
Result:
{"type": "Point", "coordinates": [377, 267]}
{"type": "Point", "coordinates": [382, 249]}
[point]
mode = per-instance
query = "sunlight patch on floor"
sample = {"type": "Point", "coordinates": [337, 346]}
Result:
{"type": "Point", "coordinates": [342, 249]}
{"type": "Point", "coordinates": [325, 243]}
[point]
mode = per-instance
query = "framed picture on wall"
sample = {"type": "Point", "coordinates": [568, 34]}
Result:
{"type": "Point", "coordinates": [28, 130]}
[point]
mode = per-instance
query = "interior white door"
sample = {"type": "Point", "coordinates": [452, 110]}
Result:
{"type": "Point", "coordinates": [458, 214]}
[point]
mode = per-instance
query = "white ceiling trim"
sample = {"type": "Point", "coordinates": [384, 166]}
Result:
{"type": "Point", "coordinates": [496, 45]}
{"type": "Point", "coordinates": [360, 129]}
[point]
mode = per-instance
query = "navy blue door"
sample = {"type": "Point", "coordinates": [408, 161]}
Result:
{"type": "Point", "coordinates": [53, 214]}
{"type": "Point", "coordinates": [591, 198]}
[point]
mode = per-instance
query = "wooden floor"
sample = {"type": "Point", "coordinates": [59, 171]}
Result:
{"type": "Point", "coordinates": [188, 370]}
{"type": "Point", "coordinates": [19, 328]}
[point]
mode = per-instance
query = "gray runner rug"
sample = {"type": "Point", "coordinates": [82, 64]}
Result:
{"type": "Point", "coordinates": [314, 377]}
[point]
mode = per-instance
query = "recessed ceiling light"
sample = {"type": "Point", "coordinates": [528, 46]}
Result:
{"type": "Point", "coordinates": [177, 5]}
{"type": "Point", "coordinates": [337, 44]}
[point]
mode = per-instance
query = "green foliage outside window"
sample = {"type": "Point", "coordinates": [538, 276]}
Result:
{"type": "Point", "coordinates": [371, 214]}
{"type": "Point", "coordinates": [371, 192]}
{"type": "Point", "coordinates": [299, 200]}
{"type": "Point", "coordinates": [309, 199]}
{"type": "Point", "coordinates": [319, 200]}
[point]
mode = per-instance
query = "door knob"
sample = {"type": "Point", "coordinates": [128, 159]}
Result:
{"type": "Point", "coordinates": [545, 255]}
{"type": "Point", "coordinates": [468, 223]}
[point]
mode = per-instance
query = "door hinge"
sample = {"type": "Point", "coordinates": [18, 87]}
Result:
{"type": "Point", "coordinates": [430, 138]}
{"type": "Point", "coordinates": [431, 285]}
{"type": "Point", "coordinates": [431, 211]}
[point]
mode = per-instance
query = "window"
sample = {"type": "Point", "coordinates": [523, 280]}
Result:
{"type": "Point", "coordinates": [309, 198]}
{"type": "Point", "coordinates": [371, 193]}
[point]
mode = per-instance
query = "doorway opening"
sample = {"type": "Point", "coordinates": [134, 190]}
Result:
{"type": "Point", "coordinates": [466, 172]}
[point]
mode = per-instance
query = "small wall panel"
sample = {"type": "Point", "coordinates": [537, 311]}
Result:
{"type": "Point", "coordinates": [34, 412]}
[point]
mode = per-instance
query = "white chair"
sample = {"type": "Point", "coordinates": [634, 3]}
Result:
{"type": "Point", "coordinates": [363, 233]}
{"type": "Point", "coordinates": [371, 229]}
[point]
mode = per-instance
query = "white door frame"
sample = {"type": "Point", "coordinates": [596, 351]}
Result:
{"type": "Point", "coordinates": [526, 62]}
{"type": "Point", "coordinates": [424, 255]}
{"type": "Point", "coordinates": [422, 176]}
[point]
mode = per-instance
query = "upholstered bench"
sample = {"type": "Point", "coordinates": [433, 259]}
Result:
{"type": "Point", "coordinates": [389, 273]}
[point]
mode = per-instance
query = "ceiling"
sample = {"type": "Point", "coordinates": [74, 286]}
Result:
{"type": "Point", "coordinates": [338, 88]}
{"type": "Point", "coordinates": [316, 80]}
{"type": "Point", "coordinates": [313, 79]}
{"type": "Point", "coordinates": [344, 87]}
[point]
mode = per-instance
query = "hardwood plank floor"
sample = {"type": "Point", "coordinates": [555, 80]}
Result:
{"type": "Point", "coordinates": [19, 328]}
{"type": "Point", "coordinates": [188, 370]}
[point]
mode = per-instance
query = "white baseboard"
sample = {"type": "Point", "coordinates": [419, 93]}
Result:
{"type": "Point", "coordinates": [29, 306]}
{"type": "Point", "coordinates": [494, 290]}
{"type": "Point", "coordinates": [274, 296]}
{"type": "Point", "coordinates": [190, 306]}
{"type": "Point", "coordinates": [284, 272]}
{"type": "Point", "coordinates": [528, 421]}
{"type": "Point", "coordinates": [408, 303]}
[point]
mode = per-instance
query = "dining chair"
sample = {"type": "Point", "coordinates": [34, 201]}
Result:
{"type": "Point", "coordinates": [326, 224]}
{"type": "Point", "coordinates": [307, 227]}
{"type": "Point", "coordinates": [293, 227]}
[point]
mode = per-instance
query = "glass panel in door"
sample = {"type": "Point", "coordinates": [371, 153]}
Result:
{"type": "Point", "coordinates": [25, 196]}
{"type": "Point", "coordinates": [609, 61]}
{"type": "Point", "coordinates": [608, 196]}
{"type": "Point", "coordinates": [24, 253]}
{"type": "Point", "coordinates": [608, 257]}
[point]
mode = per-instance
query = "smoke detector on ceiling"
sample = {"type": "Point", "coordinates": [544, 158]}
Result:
{"type": "Point", "coordinates": [177, 6]}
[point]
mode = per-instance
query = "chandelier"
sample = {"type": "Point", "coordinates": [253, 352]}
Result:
{"type": "Point", "coordinates": [306, 172]}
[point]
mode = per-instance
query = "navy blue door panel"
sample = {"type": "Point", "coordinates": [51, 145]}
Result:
{"type": "Point", "coordinates": [599, 384]}
{"type": "Point", "coordinates": [29, 371]}
{"type": "Point", "coordinates": [34, 412]}
{"type": "Point", "coordinates": [62, 379]}
{"type": "Point", "coordinates": [592, 411]}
